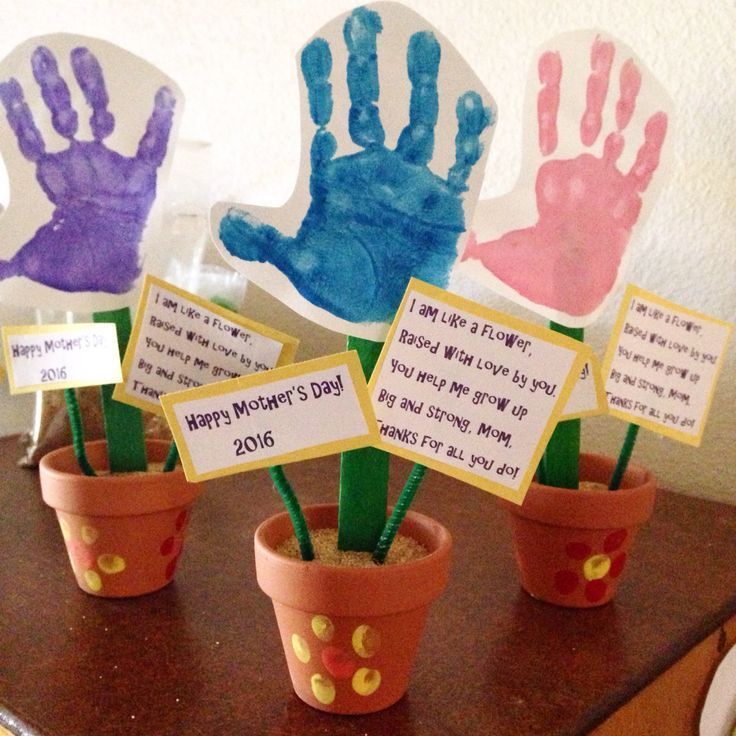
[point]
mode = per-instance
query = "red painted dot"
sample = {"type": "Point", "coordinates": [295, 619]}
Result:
{"type": "Point", "coordinates": [595, 590]}
{"type": "Point", "coordinates": [171, 567]}
{"type": "Point", "coordinates": [181, 519]}
{"type": "Point", "coordinates": [82, 555]}
{"type": "Point", "coordinates": [339, 663]}
{"type": "Point", "coordinates": [617, 565]}
{"type": "Point", "coordinates": [167, 546]}
{"type": "Point", "coordinates": [566, 581]}
{"type": "Point", "coordinates": [578, 550]}
{"type": "Point", "coordinates": [614, 540]}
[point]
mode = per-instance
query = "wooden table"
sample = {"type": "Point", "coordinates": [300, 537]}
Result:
{"type": "Point", "coordinates": [202, 656]}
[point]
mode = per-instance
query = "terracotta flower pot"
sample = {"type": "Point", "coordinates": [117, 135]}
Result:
{"type": "Point", "coordinates": [350, 634]}
{"type": "Point", "coordinates": [123, 533]}
{"type": "Point", "coordinates": [572, 546]}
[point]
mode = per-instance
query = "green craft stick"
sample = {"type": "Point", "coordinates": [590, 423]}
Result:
{"type": "Point", "coordinates": [561, 462]}
{"type": "Point", "coordinates": [363, 478]}
{"type": "Point", "coordinates": [126, 444]}
{"type": "Point", "coordinates": [624, 456]}
{"type": "Point", "coordinates": [171, 458]}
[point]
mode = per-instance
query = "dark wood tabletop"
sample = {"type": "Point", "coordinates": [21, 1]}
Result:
{"type": "Point", "coordinates": [202, 656]}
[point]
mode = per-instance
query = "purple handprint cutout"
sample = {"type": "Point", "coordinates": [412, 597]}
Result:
{"type": "Point", "coordinates": [101, 198]}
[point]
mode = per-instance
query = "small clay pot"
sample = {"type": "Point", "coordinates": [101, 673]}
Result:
{"type": "Point", "coordinates": [350, 634]}
{"type": "Point", "coordinates": [571, 545]}
{"type": "Point", "coordinates": [124, 533]}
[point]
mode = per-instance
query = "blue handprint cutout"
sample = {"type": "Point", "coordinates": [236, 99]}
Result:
{"type": "Point", "coordinates": [101, 199]}
{"type": "Point", "coordinates": [379, 216]}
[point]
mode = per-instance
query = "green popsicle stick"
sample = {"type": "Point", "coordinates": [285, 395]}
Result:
{"type": "Point", "coordinates": [560, 464]}
{"type": "Point", "coordinates": [363, 478]}
{"type": "Point", "coordinates": [126, 444]}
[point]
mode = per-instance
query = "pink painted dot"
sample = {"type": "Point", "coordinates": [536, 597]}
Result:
{"type": "Point", "coordinates": [167, 546]}
{"type": "Point", "coordinates": [617, 565]}
{"type": "Point", "coordinates": [171, 567]}
{"type": "Point", "coordinates": [595, 590]}
{"type": "Point", "coordinates": [614, 540]}
{"type": "Point", "coordinates": [339, 663]}
{"type": "Point", "coordinates": [566, 581]}
{"type": "Point", "coordinates": [578, 550]}
{"type": "Point", "coordinates": [181, 519]}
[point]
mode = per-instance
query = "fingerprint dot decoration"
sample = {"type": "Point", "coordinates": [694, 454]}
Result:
{"type": "Point", "coordinates": [342, 664]}
{"type": "Point", "coordinates": [594, 568]}
{"type": "Point", "coordinates": [66, 532]}
{"type": "Point", "coordinates": [93, 580]}
{"type": "Point", "coordinates": [323, 689]}
{"type": "Point", "coordinates": [323, 628]}
{"type": "Point", "coordinates": [89, 534]}
{"type": "Point", "coordinates": [366, 641]}
{"type": "Point", "coordinates": [366, 681]}
{"type": "Point", "coordinates": [111, 564]}
{"type": "Point", "coordinates": [301, 648]}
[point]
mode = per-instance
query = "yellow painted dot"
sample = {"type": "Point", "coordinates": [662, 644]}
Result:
{"type": "Point", "coordinates": [366, 641]}
{"type": "Point", "coordinates": [323, 628]}
{"type": "Point", "coordinates": [66, 532]}
{"type": "Point", "coordinates": [366, 681]}
{"type": "Point", "coordinates": [93, 580]}
{"type": "Point", "coordinates": [596, 567]}
{"type": "Point", "coordinates": [301, 648]}
{"type": "Point", "coordinates": [323, 688]}
{"type": "Point", "coordinates": [89, 534]}
{"type": "Point", "coordinates": [111, 564]}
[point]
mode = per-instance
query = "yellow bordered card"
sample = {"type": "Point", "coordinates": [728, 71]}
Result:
{"type": "Point", "coordinates": [180, 340]}
{"type": "Point", "coordinates": [588, 397]}
{"type": "Point", "coordinates": [45, 357]}
{"type": "Point", "coordinates": [470, 391]}
{"type": "Point", "coordinates": [300, 411]}
{"type": "Point", "coordinates": [662, 365]}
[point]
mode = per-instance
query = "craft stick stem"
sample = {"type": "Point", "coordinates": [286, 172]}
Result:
{"type": "Point", "coordinates": [75, 422]}
{"type": "Point", "coordinates": [171, 458]}
{"type": "Point", "coordinates": [294, 510]}
{"type": "Point", "coordinates": [126, 444]}
{"type": "Point", "coordinates": [363, 477]}
{"type": "Point", "coordinates": [399, 512]}
{"type": "Point", "coordinates": [560, 464]}
{"type": "Point", "coordinates": [624, 456]}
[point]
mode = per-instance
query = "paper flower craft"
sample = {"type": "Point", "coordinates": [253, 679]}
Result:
{"type": "Point", "coordinates": [586, 207]}
{"type": "Point", "coordinates": [378, 216]}
{"type": "Point", "coordinates": [101, 199]}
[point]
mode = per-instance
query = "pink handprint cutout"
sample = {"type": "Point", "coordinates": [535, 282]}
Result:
{"type": "Point", "coordinates": [568, 262]}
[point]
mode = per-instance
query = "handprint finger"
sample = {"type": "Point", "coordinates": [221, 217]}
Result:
{"type": "Point", "coordinates": [548, 100]}
{"type": "Point", "coordinates": [416, 142]}
{"type": "Point", "coordinates": [360, 32]}
{"type": "Point", "coordinates": [152, 146]}
{"type": "Point", "coordinates": [54, 91]}
{"type": "Point", "coordinates": [601, 59]}
{"type": "Point", "coordinates": [19, 116]}
{"type": "Point", "coordinates": [316, 64]}
{"type": "Point", "coordinates": [629, 86]}
{"type": "Point", "coordinates": [472, 119]}
{"type": "Point", "coordinates": [647, 157]}
{"type": "Point", "coordinates": [89, 77]}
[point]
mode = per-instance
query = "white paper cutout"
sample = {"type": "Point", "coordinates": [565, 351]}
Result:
{"type": "Point", "coordinates": [348, 263]}
{"type": "Point", "coordinates": [87, 131]}
{"type": "Point", "coordinates": [565, 261]}
{"type": "Point", "coordinates": [718, 717]}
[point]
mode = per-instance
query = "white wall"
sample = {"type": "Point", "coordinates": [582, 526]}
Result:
{"type": "Point", "coordinates": [235, 61]}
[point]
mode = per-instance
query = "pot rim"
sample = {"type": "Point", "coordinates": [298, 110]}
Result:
{"type": "Point", "coordinates": [352, 591]}
{"type": "Point", "coordinates": [65, 488]}
{"type": "Point", "coordinates": [631, 505]}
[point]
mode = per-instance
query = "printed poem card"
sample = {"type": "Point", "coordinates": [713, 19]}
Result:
{"type": "Point", "coordinates": [306, 410]}
{"type": "Point", "coordinates": [180, 340]}
{"type": "Point", "coordinates": [471, 392]}
{"type": "Point", "coordinates": [662, 365]}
